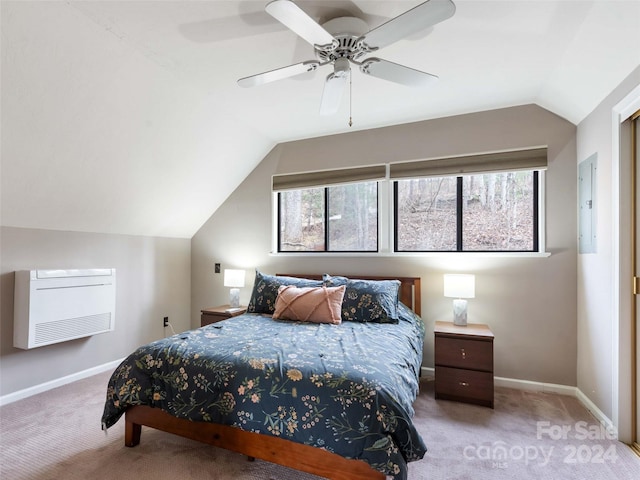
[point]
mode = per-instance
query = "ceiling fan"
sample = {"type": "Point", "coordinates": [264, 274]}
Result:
{"type": "Point", "coordinates": [344, 41]}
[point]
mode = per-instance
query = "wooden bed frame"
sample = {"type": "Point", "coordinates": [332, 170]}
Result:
{"type": "Point", "coordinates": [265, 447]}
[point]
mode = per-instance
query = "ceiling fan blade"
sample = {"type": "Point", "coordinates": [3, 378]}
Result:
{"type": "Point", "coordinates": [332, 93]}
{"type": "Point", "coordinates": [412, 21]}
{"type": "Point", "coordinates": [295, 19]}
{"type": "Point", "coordinates": [279, 74]}
{"type": "Point", "coordinates": [393, 72]}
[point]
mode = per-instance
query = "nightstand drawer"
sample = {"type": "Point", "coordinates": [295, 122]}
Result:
{"type": "Point", "coordinates": [464, 353]}
{"type": "Point", "coordinates": [467, 385]}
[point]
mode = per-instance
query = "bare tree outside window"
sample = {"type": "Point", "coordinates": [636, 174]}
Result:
{"type": "Point", "coordinates": [353, 217]}
{"type": "Point", "coordinates": [426, 214]}
{"type": "Point", "coordinates": [301, 220]}
{"type": "Point", "coordinates": [340, 218]}
{"type": "Point", "coordinates": [498, 212]}
{"type": "Point", "coordinates": [487, 212]}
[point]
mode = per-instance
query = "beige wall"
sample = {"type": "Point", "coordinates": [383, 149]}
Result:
{"type": "Point", "coordinates": [530, 303]}
{"type": "Point", "coordinates": [602, 303]}
{"type": "Point", "coordinates": [152, 281]}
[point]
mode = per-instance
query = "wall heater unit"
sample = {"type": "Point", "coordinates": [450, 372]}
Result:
{"type": "Point", "coordinates": [52, 306]}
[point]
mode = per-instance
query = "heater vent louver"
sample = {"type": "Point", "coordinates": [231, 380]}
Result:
{"type": "Point", "coordinates": [70, 328]}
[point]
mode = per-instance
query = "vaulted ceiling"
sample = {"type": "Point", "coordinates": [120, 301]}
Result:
{"type": "Point", "coordinates": [125, 116]}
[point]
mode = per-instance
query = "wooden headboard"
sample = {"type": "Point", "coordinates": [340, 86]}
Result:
{"type": "Point", "coordinates": [409, 292]}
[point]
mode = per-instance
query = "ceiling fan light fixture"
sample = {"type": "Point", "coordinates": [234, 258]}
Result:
{"type": "Point", "coordinates": [332, 94]}
{"type": "Point", "coordinates": [341, 67]}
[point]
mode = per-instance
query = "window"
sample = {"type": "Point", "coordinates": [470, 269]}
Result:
{"type": "Point", "coordinates": [492, 212]}
{"type": "Point", "coordinates": [484, 202]}
{"type": "Point", "coordinates": [340, 218]}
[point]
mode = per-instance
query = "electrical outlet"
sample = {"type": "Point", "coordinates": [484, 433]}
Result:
{"type": "Point", "coordinates": [165, 322]}
{"type": "Point", "coordinates": [217, 267]}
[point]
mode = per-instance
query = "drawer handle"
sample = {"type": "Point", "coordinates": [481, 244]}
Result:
{"type": "Point", "coordinates": [464, 354]}
{"type": "Point", "coordinates": [464, 384]}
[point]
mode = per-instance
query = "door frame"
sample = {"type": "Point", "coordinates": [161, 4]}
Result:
{"type": "Point", "coordinates": [622, 391]}
{"type": "Point", "coordinates": [635, 162]}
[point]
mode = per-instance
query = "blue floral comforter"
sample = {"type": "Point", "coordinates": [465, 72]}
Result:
{"type": "Point", "coordinates": [347, 388]}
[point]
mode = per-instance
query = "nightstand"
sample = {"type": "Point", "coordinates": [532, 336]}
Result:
{"type": "Point", "coordinates": [215, 314]}
{"type": "Point", "coordinates": [464, 363]}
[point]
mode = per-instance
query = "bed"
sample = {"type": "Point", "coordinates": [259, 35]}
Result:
{"type": "Point", "coordinates": [329, 398]}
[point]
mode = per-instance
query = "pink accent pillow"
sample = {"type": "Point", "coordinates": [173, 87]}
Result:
{"type": "Point", "coordinates": [310, 304]}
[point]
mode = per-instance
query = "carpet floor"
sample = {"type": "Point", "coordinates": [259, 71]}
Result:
{"type": "Point", "coordinates": [57, 435]}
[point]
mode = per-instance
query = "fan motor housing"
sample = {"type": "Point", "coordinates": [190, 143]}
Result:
{"type": "Point", "coordinates": [347, 31]}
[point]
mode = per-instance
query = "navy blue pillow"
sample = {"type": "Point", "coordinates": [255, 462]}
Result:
{"type": "Point", "coordinates": [367, 300]}
{"type": "Point", "coordinates": [265, 291]}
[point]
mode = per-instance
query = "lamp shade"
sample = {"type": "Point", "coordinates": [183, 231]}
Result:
{"type": "Point", "coordinates": [458, 285]}
{"type": "Point", "coordinates": [234, 278]}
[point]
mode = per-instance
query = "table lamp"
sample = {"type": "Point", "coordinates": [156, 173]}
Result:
{"type": "Point", "coordinates": [235, 280]}
{"type": "Point", "coordinates": [459, 287]}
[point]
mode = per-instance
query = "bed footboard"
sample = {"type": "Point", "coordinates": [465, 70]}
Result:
{"type": "Point", "coordinates": [271, 449]}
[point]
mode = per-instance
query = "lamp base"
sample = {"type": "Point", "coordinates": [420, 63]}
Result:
{"type": "Point", "coordinates": [460, 312]}
{"type": "Point", "coordinates": [234, 297]}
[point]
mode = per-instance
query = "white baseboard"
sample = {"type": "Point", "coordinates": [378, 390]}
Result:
{"type": "Point", "coordinates": [58, 382]}
{"type": "Point", "coordinates": [534, 386]}
{"type": "Point", "coordinates": [429, 372]}
{"type": "Point", "coordinates": [596, 412]}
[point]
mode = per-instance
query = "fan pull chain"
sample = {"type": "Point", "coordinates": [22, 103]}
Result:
{"type": "Point", "coordinates": [350, 119]}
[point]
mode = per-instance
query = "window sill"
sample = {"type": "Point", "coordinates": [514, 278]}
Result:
{"type": "Point", "coordinates": [415, 254]}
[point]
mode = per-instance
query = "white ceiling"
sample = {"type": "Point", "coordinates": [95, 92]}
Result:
{"type": "Point", "coordinates": [147, 116]}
